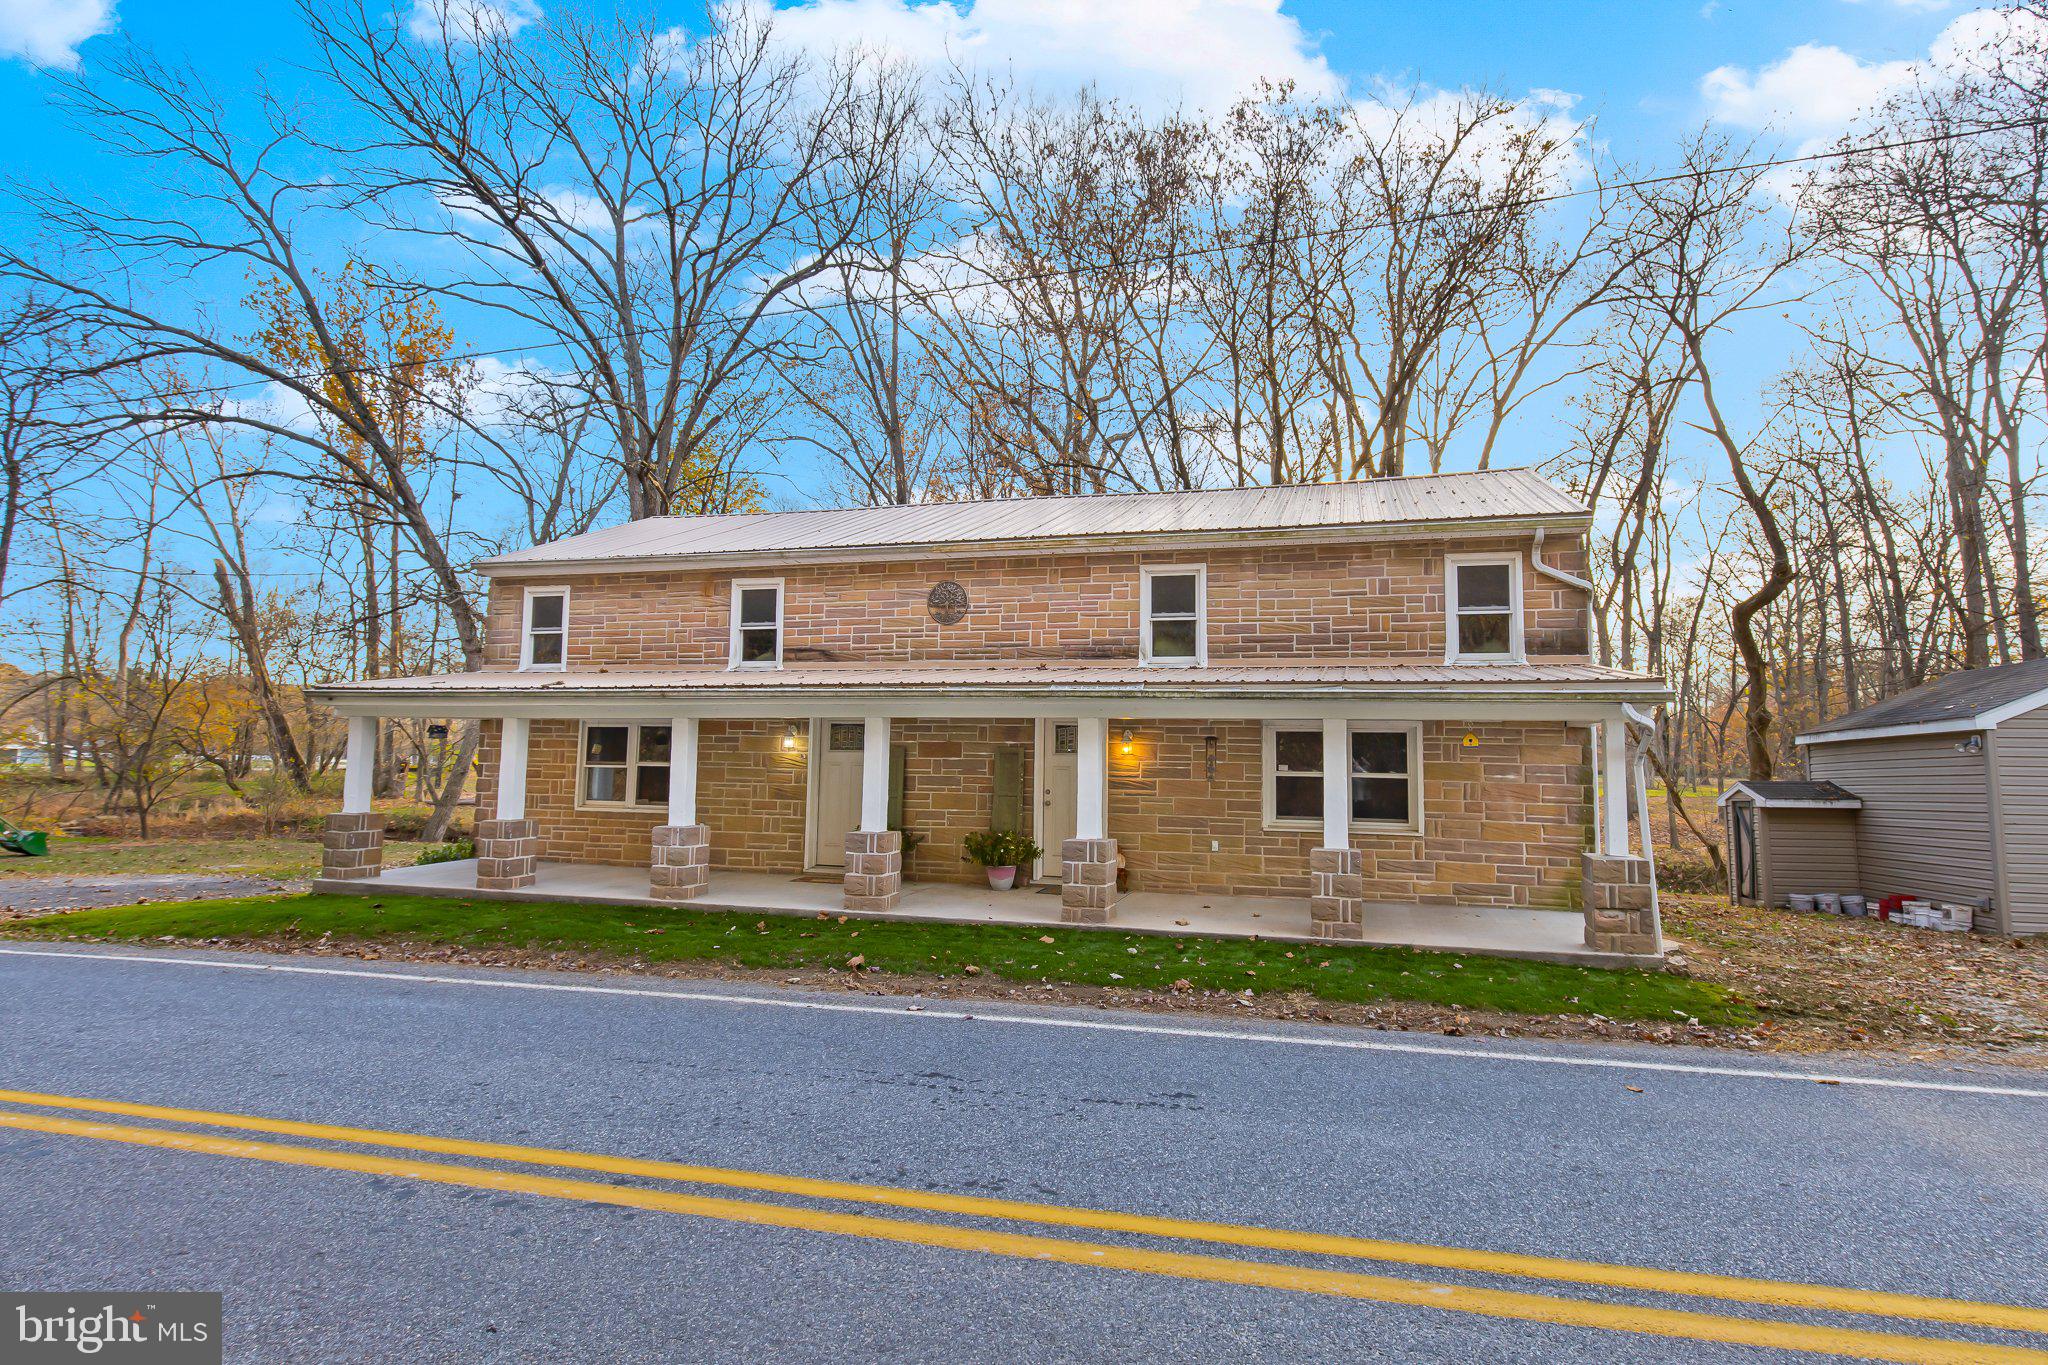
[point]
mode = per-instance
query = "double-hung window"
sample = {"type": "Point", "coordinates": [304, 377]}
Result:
{"type": "Point", "coordinates": [756, 623]}
{"type": "Point", "coordinates": [623, 765]}
{"type": "Point", "coordinates": [1384, 785]}
{"type": "Point", "coordinates": [544, 628]}
{"type": "Point", "coordinates": [1173, 616]}
{"type": "Point", "coordinates": [1483, 595]}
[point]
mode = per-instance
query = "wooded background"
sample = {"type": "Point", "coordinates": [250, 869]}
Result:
{"type": "Point", "coordinates": [503, 282]}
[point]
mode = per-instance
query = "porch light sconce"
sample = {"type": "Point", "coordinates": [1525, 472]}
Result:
{"type": "Point", "coordinates": [1973, 745]}
{"type": "Point", "coordinates": [1127, 741]}
{"type": "Point", "coordinates": [789, 736]}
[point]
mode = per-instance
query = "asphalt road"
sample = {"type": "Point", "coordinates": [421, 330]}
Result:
{"type": "Point", "coordinates": [1425, 1141]}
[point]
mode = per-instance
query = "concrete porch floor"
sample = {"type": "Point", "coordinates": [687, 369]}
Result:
{"type": "Point", "coordinates": [1544, 935]}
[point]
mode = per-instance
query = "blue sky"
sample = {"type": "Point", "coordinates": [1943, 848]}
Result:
{"type": "Point", "coordinates": [1638, 66]}
{"type": "Point", "coordinates": [1649, 71]}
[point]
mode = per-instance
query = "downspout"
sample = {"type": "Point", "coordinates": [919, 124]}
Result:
{"type": "Point", "coordinates": [1556, 575]}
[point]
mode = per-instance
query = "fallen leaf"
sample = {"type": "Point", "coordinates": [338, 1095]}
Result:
{"type": "Point", "coordinates": [855, 960]}
{"type": "Point", "coordinates": [1633, 1089]}
{"type": "Point", "coordinates": [1045, 938]}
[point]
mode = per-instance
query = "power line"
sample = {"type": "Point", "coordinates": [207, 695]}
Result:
{"type": "Point", "coordinates": [1293, 238]}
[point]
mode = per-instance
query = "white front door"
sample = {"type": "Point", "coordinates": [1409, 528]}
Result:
{"type": "Point", "coordinates": [838, 790]}
{"type": "Point", "coordinates": [1056, 794]}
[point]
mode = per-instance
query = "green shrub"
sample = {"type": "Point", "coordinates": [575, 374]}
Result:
{"type": "Point", "coordinates": [453, 851]}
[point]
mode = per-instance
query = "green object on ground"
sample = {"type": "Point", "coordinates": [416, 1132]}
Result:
{"type": "Point", "coordinates": [29, 843]}
{"type": "Point", "coordinates": [1087, 957]}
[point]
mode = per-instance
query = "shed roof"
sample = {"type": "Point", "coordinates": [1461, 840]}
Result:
{"type": "Point", "coordinates": [1511, 495]}
{"type": "Point", "coordinates": [1794, 794]}
{"type": "Point", "coordinates": [1976, 699]}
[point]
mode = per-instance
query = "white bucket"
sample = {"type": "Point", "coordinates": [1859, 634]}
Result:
{"type": "Point", "coordinates": [1800, 903]}
{"type": "Point", "coordinates": [1828, 903]}
{"type": "Point", "coordinates": [1855, 907]}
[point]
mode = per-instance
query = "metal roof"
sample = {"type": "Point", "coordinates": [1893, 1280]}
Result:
{"type": "Point", "coordinates": [1110, 679]}
{"type": "Point", "coordinates": [1421, 500]}
{"type": "Point", "coordinates": [1794, 794]}
{"type": "Point", "coordinates": [1954, 702]}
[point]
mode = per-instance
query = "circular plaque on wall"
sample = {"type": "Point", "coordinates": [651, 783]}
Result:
{"type": "Point", "coordinates": [947, 602]}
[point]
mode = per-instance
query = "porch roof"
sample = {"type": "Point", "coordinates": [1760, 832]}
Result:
{"type": "Point", "coordinates": [812, 684]}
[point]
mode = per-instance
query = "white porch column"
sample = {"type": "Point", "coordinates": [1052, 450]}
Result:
{"type": "Point", "coordinates": [352, 840]}
{"type": "Point", "coordinates": [679, 867]}
{"type": "Point", "coordinates": [1618, 888]}
{"type": "Point", "coordinates": [682, 771]}
{"type": "Point", "coordinates": [1614, 786]}
{"type": "Point", "coordinates": [1336, 784]}
{"type": "Point", "coordinates": [359, 776]}
{"type": "Point", "coordinates": [508, 845]}
{"type": "Point", "coordinates": [874, 775]}
{"type": "Point", "coordinates": [1088, 861]}
{"type": "Point", "coordinates": [513, 734]}
{"type": "Point", "coordinates": [874, 852]}
{"type": "Point", "coordinates": [1336, 903]}
{"type": "Point", "coordinates": [1091, 753]}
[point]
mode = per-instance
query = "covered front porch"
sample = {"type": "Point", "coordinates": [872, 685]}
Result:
{"type": "Point", "coordinates": [1542, 935]}
{"type": "Point", "coordinates": [1454, 809]}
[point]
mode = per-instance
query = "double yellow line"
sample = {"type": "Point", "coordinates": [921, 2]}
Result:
{"type": "Point", "coordinates": [1498, 1303]}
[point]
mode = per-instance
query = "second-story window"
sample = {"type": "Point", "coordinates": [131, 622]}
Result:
{"type": "Point", "coordinates": [1173, 615]}
{"type": "Point", "coordinates": [757, 623]}
{"type": "Point", "coordinates": [1483, 594]}
{"type": "Point", "coordinates": [544, 634]}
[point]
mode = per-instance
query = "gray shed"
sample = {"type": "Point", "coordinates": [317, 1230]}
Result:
{"type": "Point", "coordinates": [1786, 837]}
{"type": "Point", "coordinates": [1953, 778]}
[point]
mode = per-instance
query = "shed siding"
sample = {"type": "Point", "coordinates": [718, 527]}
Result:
{"type": "Point", "coordinates": [2021, 752]}
{"type": "Point", "coordinates": [1925, 828]}
{"type": "Point", "coordinates": [1808, 851]}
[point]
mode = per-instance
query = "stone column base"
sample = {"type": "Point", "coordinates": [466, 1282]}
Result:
{"type": "Point", "coordinates": [507, 853]}
{"type": "Point", "coordinates": [352, 847]}
{"type": "Point", "coordinates": [1336, 905]}
{"type": "Point", "coordinates": [1088, 871]}
{"type": "Point", "coordinates": [681, 866]}
{"type": "Point", "coordinates": [1621, 904]}
{"type": "Point", "coordinates": [874, 870]}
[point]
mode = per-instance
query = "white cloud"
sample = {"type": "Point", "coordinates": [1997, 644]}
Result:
{"type": "Point", "coordinates": [1923, 6]}
{"type": "Point", "coordinates": [48, 32]}
{"type": "Point", "coordinates": [1815, 92]}
{"type": "Point", "coordinates": [428, 20]}
{"type": "Point", "coordinates": [1812, 92]}
{"type": "Point", "coordinates": [1161, 52]}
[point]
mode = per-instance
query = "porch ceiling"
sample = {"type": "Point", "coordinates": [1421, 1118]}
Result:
{"type": "Point", "coordinates": [1015, 689]}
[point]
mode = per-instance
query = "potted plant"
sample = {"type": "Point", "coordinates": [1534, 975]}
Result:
{"type": "Point", "coordinates": [1000, 852]}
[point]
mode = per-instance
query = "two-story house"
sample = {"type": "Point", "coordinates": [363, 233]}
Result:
{"type": "Point", "coordinates": [1357, 697]}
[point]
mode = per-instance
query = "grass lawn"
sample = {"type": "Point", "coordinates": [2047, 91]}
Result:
{"type": "Point", "coordinates": [1091, 957]}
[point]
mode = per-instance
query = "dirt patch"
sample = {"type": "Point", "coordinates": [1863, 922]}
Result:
{"type": "Point", "coordinates": [1825, 982]}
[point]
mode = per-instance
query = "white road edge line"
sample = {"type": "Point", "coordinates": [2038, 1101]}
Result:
{"type": "Point", "coordinates": [1096, 1025]}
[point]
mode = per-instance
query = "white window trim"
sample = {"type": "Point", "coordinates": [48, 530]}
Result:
{"type": "Point", "coordinates": [733, 637]}
{"type": "Point", "coordinates": [526, 663]}
{"type": "Point", "coordinates": [1148, 572]}
{"type": "Point", "coordinates": [632, 729]}
{"type": "Point", "coordinates": [1452, 563]}
{"type": "Point", "coordinates": [1412, 825]}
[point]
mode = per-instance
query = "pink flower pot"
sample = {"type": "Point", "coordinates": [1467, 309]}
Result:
{"type": "Point", "coordinates": [1002, 878]}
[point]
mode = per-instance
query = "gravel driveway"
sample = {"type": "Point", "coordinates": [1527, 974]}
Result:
{"type": "Point", "coordinates": [23, 896]}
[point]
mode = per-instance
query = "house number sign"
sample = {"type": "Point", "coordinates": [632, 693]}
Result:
{"type": "Point", "coordinates": [947, 603]}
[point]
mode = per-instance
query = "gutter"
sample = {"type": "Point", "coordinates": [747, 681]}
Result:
{"type": "Point", "coordinates": [511, 566]}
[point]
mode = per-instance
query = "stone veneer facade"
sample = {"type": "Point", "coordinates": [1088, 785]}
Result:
{"type": "Point", "coordinates": [1377, 601]}
{"type": "Point", "coordinates": [1504, 820]}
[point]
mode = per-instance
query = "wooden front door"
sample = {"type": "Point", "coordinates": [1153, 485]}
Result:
{"type": "Point", "coordinates": [838, 789]}
{"type": "Point", "coordinates": [1056, 795]}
